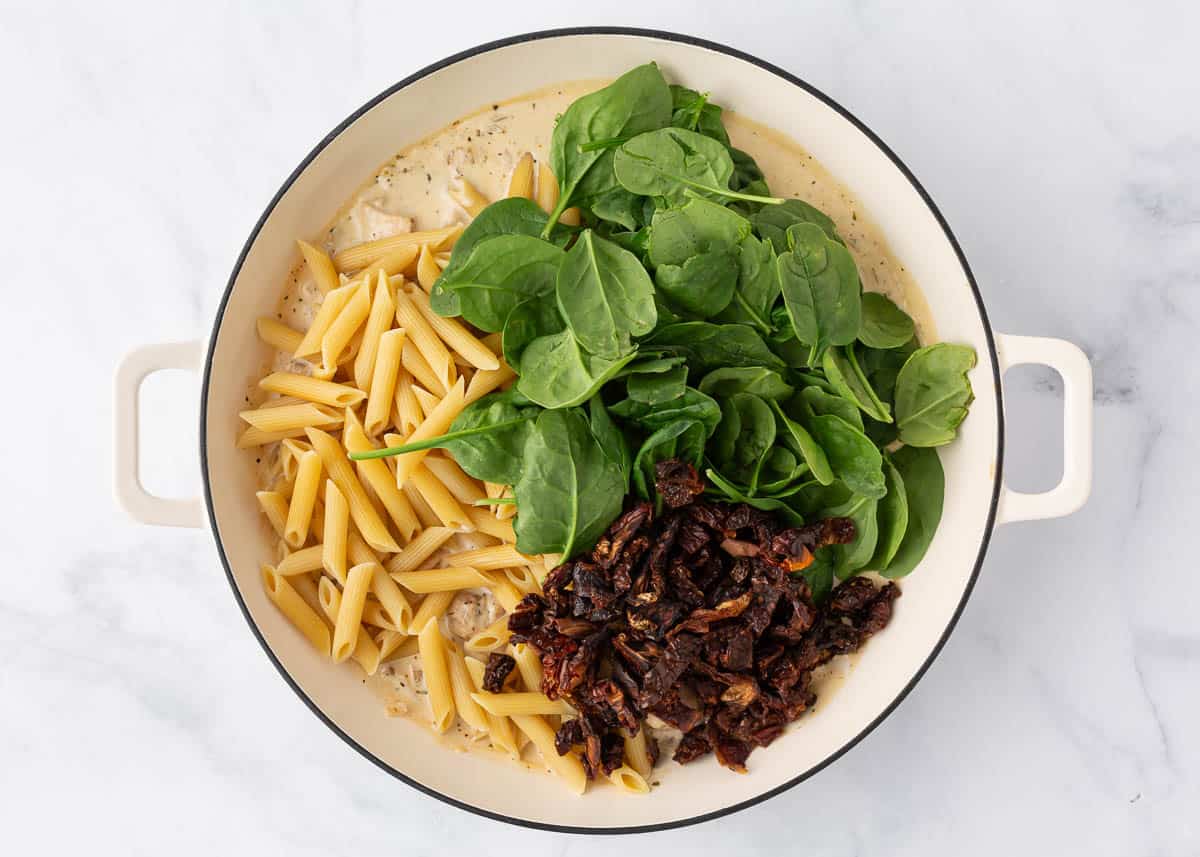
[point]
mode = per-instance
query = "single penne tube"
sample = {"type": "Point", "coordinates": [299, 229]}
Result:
{"type": "Point", "coordinates": [408, 413]}
{"type": "Point", "coordinates": [313, 389]}
{"type": "Point", "coordinates": [275, 507]}
{"type": "Point", "coordinates": [486, 522]}
{"type": "Point", "coordinates": [469, 197]}
{"type": "Point", "coordinates": [320, 266]}
{"type": "Point", "coordinates": [290, 450]}
{"type": "Point", "coordinates": [358, 551]}
{"type": "Point", "coordinates": [520, 183]}
{"type": "Point", "coordinates": [637, 755]}
{"type": "Point", "coordinates": [317, 524]}
{"type": "Point", "coordinates": [300, 562]}
{"type": "Point", "coordinates": [522, 577]}
{"type": "Point", "coordinates": [568, 767]}
{"type": "Point", "coordinates": [383, 382]}
{"type": "Point", "coordinates": [547, 188]}
{"type": "Point", "coordinates": [430, 610]}
{"type": "Point", "coordinates": [348, 625]}
{"type": "Point", "coordinates": [379, 321]}
{"type": "Point", "coordinates": [439, 498]}
{"type": "Point", "coordinates": [487, 380]}
{"type": "Point", "coordinates": [361, 255]}
{"type": "Point", "coordinates": [423, 545]}
{"type": "Point", "coordinates": [378, 475]}
{"type": "Point", "coordinates": [505, 593]}
{"type": "Point", "coordinates": [395, 644]}
{"type": "Point", "coordinates": [428, 269]}
{"type": "Point", "coordinates": [283, 487]}
{"type": "Point", "coordinates": [493, 637]}
{"type": "Point", "coordinates": [278, 335]}
{"type": "Point", "coordinates": [304, 496]}
{"type": "Point", "coordinates": [437, 675]}
{"type": "Point", "coordinates": [400, 259]}
{"type": "Point", "coordinates": [500, 729]}
{"type": "Point", "coordinates": [395, 604]}
{"type": "Point", "coordinates": [427, 400]}
{"type": "Point", "coordinates": [336, 339]}
{"type": "Point", "coordinates": [437, 423]}
{"type": "Point", "coordinates": [300, 415]}
{"type": "Point", "coordinates": [366, 652]}
{"type": "Point", "coordinates": [452, 333]}
{"type": "Point", "coordinates": [362, 510]}
{"type": "Point", "coordinates": [252, 437]}
{"type": "Point", "coordinates": [296, 609]}
{"type": "Point", "coordinates": [425, 513]}
{"type": "Point", "coordinates": [334, 302]}
{"type": "Point", "coordinates": [374, 614]}
{"type": "Point", "coordinates": [508, 704]}
{"type": "Point", "coordinates": [418, 367]}
{"type": "Point", "coordinates": [337, 525]}
{"type": "Point", "coordinates": [628, 780]}
{"type": "Point", "coordinates": [464, 488]}
{"type": "Point", "coordinates": [424, 337]}
{"type": "Point", "coordinates": [505, 511]}
{"type": "Point", "coordinates": [306, 587]}
{"type": "Point", "coordinates": [462, 688]}
{"type": "Point", "coordinates": [424, 581]}
{"type": "Point", "coordinates": [529, 665]}
{"type": "Point", "coordinates": [492, 558]}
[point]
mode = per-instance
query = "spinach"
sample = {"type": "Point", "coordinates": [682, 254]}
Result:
{"type": "Point", "coordinates": [637, 101]}
{"type": "Point", "coordinates": [892, 517]}
{"type": "Point", "coordinates": [733, 494]}
{"type": "Point", "coordinates": [528, 321]}
{"type": "Point", "coordinates": [920, 470]}
{"type": "Point", "coordinates": [703, 285]}
{"type": "Point", "coordinates": [699, 226]}
{"type": "Point", "coordinates": [670, 162]}
{"type": "Point", "coordinates": [818, 401]}
{"type": "Point", "coordinates": [569, 490]}
{"type": "Point", "coordinates": [692, 110]}
{"type": "Point", "coordinates": [884, 325]}
{"type": "Point", "coordinates": [692, 405]}
{"type": "Point", "coordinates": [556, 373]}
{"type": "Point", "coordinates": [854, 459]}
{"type": "Point", "coordinates": [651, 362]}
{"type": "Point", "coordinates": [746, 174]}
{"type": "Point", "coordinates": [819, 576]}
{"type": "Point", "coordinates": [757, 286]}
{"type": "Point", "coordinates": [881, 366]}
{"type": "Point", "coordinates": [848, 559]}
{"type": "Point", "coordinates": [514, 216]}
{"type": "Point", "coordinates": [610, 437]}
{"type": "Point", "coordinates": [600, 193]}
{"type": "Point", "coordinates": [744, 436]}
{"type": "Point", "coordinates": [846, 376]}
{"type": "Point", "coordinates": [779, 473]}
{"type": "Point", "coordinates": [682, 439]}
{"type": "Point", "coordinates": [500, 273]}
{"type": "Point", "coordinates": [812, 498]}
{"type": "Point", "coordinates": [933, 393]}
{"type": "Point", "coordinates": [505, 421]}
{"type": "Point", "coordinates": [802, 443]}
{"type": "Point", "coordinates": [658, 387]}
{"type": "Point", "coordinates": [711, 346]}
{"type": "Point", "coordinates": [773, 222]}
{"type": "Point", "coordinates": [820, 288]}
{"type": "Point", "coordinates": [605, 295]}
{"type": "Point", "coordinates": [758, 380]}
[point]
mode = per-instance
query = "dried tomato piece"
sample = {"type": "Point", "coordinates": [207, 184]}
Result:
{"type": "Point", "coordinates": [498, 668]}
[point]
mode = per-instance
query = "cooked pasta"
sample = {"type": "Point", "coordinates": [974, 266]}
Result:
{"type": "Point", "coordinates": [431, 608]}
{"type": "Point", "coordinates": [469, 197]}
{"type": "Point", "coordinates": [327, 313]}
{"type": "Point", "coordinates": [275, 507]}
{"type": "Point", "coordinates": [529, 665]}
{"type": "Point", "coordinates": [435, 424]}
{"type": "Point", "coordinates": [312, 389]}
{"type": "Point", "coordinates": [320, 266]}
{"type": "Point", "coordinates": [408, 414]}
{"type": "Point", "coordinates": [522, 702]}
{"type": "Point", "coordinates": [302, 561]}
{"type": "Point", "coordinates": [366, 651]}
{"type": "Point", "coordinates": [423, 336]}
{"type": "Point", "coordinates": [278, 335]}
{"type": "Point", "coordinates": [418, 367]}
{"type": "Point", "coordinates": [334, 533]}
{"type": "Point", "coordinates": [439, 498]}
{"type": "Point", "coordinates": [629, 780]}
{"type": "Point", "coordinates": [421, 548]}
{"type": "Point", "coordinates": [348, 625]}
{"type": "Point", "coordinates": [465, 488]}
{"type": "Point", "coordinates": [376, 474]}
{"type": "Point", "coordinates": [304, 496]}
{"type": "Point", "coordinates": [437, 675]}
{"type": "Point", "coordinates": [296, 609]}
{"type": "Point", "coordinates": [500, 729]}
{"type": "Point", "coordinates": [488, 380]}
{"type": "Point", "coordinates": [362, 510]}
{"type": "Point", "coordinates": [637, 755]}
{"type": "Point", "coordinates": [568, 767]}
{"type": "Point", "coordinates": [427, 269]}
{"type": "Point", "coordinates": [361, 255]}
{"type": "Point", "coordinates": [520, 183]}
{"type": "Point", "coordinates": [491, 558]}
{"type": "Point", "coordinates": [454, 334]}
{"type": "Point", "coordinates": [485, 522]}
{"type": "Point", "coordinates": [344, 328]}
{"type": "Point", "coordinates": [395, 644]}
{"type": "Point", "coordinates": [462, 689]}
{"type": "Point", "coordinates": [429, 580]}
{"type": "Point", "coordinates": [493, 637]}
{"type": "Point", "coordinates": [379, 321]}
{"type": "Point", "coordinates": [383, 381]}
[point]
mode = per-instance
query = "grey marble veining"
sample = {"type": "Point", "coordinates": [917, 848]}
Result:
{"type": "Point", "coordinates": [1061, 141]}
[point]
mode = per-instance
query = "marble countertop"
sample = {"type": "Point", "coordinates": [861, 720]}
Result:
{"type": "Point", "coordinates": [1062, 141]}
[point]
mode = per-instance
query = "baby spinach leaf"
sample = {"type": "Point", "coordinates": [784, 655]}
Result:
{"type": "Point", "coordinates": [725, 488]}
{"type": "Point", "coordinates": [529, 320]}
{"type": "Point", "coordinates": [650, 362]}
{"type": "Point", "coordinates": [746, 174]}
{"type": "Point", "coordinates": [699, 226]}
{"type": "Point", "coordinates": [881, 366]}
{"type": "Point", "coordinates": [854, 459]}
{"type": "Point", "coordinates": [610, 437]}
{"type": "Point", "coordinates": [848, 559]}
{"type": "Point", "coordinates": [802, 443]}
{"type": "Point", "coordinates": [493, 455]}
{"type": "Point", "coordinates": [780, 472]}
{"type": "Point", "coordinates": [819, 401]}
{"type": "Point", "coordinates": [569, 490]}
{"type": "Point", "coordinates": [933, 394]}
{"type": "Point", "coordinates": [743, 437]}
{"type": "Point", "coordinates": [605, 295]}
{"type": "Point", "coordinates": [659, 387]}
{"type": "Point", "coordinates": [920, 471]}
{"type": "Point", "coordinates": [556, 373]}
{"type": "Point", "coordinates": [813, 498]}
{"type": "Point", "coordinates": [500, 273]}
{"type": "Point", "coordinates": [758, 380]}
{"type": "Point", "coordinates": [820, 290]}
{"type": "Point", "coordinates": [757, 286]}
{"type": "Point", "coordinates": [637, 101]}
{"type": "Point", "coordinates": [692, 405]}
{"type": "Point", "coordinates": [682, 439]}
{"type": "Point", "coordinates": [692, 110]}
{"type": "Point", "coordinates": [670, 161]}
{"type": "Point", "coordinates": [892, 515]}
{"type": "Point", "coordinates": [772, 222]}
{"type": "Point", "coordinates": [703, 285]}
{"type": "Point", "coordinates": [843, 371]}
{"type": "Point", "coordinates": [709, 346]}
{"type": "Point", "coordinates": [884, 325]}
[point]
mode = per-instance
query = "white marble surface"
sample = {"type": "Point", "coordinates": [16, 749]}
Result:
{"type": "Point", "coordinates": [1062, 141]}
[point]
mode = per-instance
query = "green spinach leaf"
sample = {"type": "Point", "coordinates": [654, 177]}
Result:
{"type": "Point", "coordinates": [727, 489]}
{"type": "Point", "coordinates": [757, 286]}
{"type": "Point", "coordinates": [884, 325]}
{"type": "Point", "coordinates": [920, 470]}
{"type": "Point", "coordinates": [699, 226]}
{"type": "Point", "coordinates": [692, 405]}
{"type": "Point", "coordinates": [703, 285]}
{"type": "Point", "coordinates": [933, 394]}
{"type": "Point", "coordinates": [848, 559]}
{"type": "Point", "coordinates": [842, 369]}
{"type": "Point", "coordinates": [772, 222]}
{"type": "Point", "coordinates": [758, 380]}
{"type": "Point", "coordinates": [818, 401]}
{"type": "Point", "coordinates": [892, 515]}
{"type": "Point", "coordinates": [854, 459]}
{"type": "Point", "coordinates": [797, 437]}
{"type": "Point", "coordinates": [557, 373]}
{"type": "Point", "coordinates": [656, 388]}
{"type": "Point", "coordinates": [692, 110]}
{"type": "Point", "coordinates": [710, 346]}
{"type": "Point", "coordinates": [820, 290]}
{"type": "Point", "coordinates": [528, 321]}
{"type": "Point", "coordinates": [493, 455]}
{"type": "Point", "coordinates": [500, 273]}
{"type": "Point", "coordinates": [744, 436]}
{"type": "Point", "coordinates": [610, 437]}
{"type": "Point", "coordinates": [671, 161]}
{"type": "Point", "coordinates": [605, 296]}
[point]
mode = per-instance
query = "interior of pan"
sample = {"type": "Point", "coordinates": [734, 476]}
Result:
{"type": "Point", "coordinates": [933, 595]}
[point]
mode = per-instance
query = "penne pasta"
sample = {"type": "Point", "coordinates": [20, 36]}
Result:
{"type": "Point", "coordinates": [437, 676]}
{"type": "Point", "coordinates": [440, 580]}
{"type": "Point", "coordinates": [487, 380]}
{"type": "Point", "coordinates": [486, 522]}
{"type": "Point", "coordinates": [464, 488]}
{"type": "Point", "coordinates": [300, 562]}
{"type": "Point", "coordinates": [428, 270]}
{"type": "Point", "coordinates": [383, 310]}
{"type": "Point", "coordinates": [508, 704]}
{"type": "Point", "coordinates": [423, 546]}
{"type": "Point", "coordinates": [376, 473]}
{"type": "Point", "coordinates": [429, 610]}
{"type": "Point", "coordinates": [304, 496]}
{"type": "Point", "coordinates": [568, 767]}
{"type": "Point", "coordinates": [454, 334]}
{"type": "Point", "coordinates": [362, 510]}
{"type": "Point", "coordinates": [306, 587]}
{"type": "Point", "coordinates": [469, 197]}
{"type": "Point", "coordinates": [424, 337]}
{"type": "Point", "coordinates": [547, 188]}
{"type": "Point", "coordinates": [348, 624]}
{"type": "Point", "coordinates": [358, 551]}
{"type": "Point", "coordinates": [520, 183]}
{"type": "Point", "coordinates": [424, 514]}
{"type": "Point", "coordinates": [529, 665]}
{"type": "Point", "coordinates": [425, 399]}
{"type": "Point", "coordinates": [296, 609]}
{"type": "Point", "coordinates": [393, 263]}
{"type": "Point", "coordinates": [500, 729]}
{"type": "Point", "coordinates": [418, 367]}
{"type": "Point", "coordinates": [505, 593]}
{"type": "Point", "coordinates": [493, 637]}
{"type": "Point", "coordinates": [312, 389]}
{"type": "Point", "coordinates": [395, 605]}
{"type": "Point", "coordinates": [290, 451]}
{"type": "Point", "coordinates": [298, 416]}
{"type": "Point", "coordinates": [334, 302]}
{"type": "Point", "coordinates": [439, 499]}
{"type": "Point", "coordinates": [320, 266]}
{"type": "Point", "coordinates": [629, 780]}
{"type": "Point", "coordinates": [383, 382]}
{"type": "Point", "coordinates": [437, 423]}
{"type": "Point", "coordinates": [336, 340]}
{"type": "Point", "coordinates": [275, 507]}
{"type": "Point", "coordinates": [394, 644]}
{"type": "Point", "coordinates": [409, 413]}
{"type": "Point", "coordinates": [374, 614]}
{"type": "Point", "coordinates": [491, 558]}
{"type": "Point", "coordinates": [523, 578]}
{"type": "Point", "coordinates": [366, 652]}
{"type": "Point", "coordinates": [361, 255]}
{"type": "Point", "coordinates": [278, 335]}
{"type": "Point", "coordinates": [334, 534]}
{"type": "Point", "coordinates": [637, 755]}
{"type": "Point", "coordinates": [462, 688]}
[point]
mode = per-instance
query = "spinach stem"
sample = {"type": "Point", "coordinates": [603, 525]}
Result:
{"type": "Point", "coordinates": [440, 440]}
{"type": "Point", "coordinates": [606, 143]}
{"type": "Point", "coordinates": [496, 501]}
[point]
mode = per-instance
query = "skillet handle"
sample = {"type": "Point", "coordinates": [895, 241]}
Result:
{"type": "Point", "coordinates": [1072, 364]}
{"type": "Point", "coordinates": [135, 499]}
